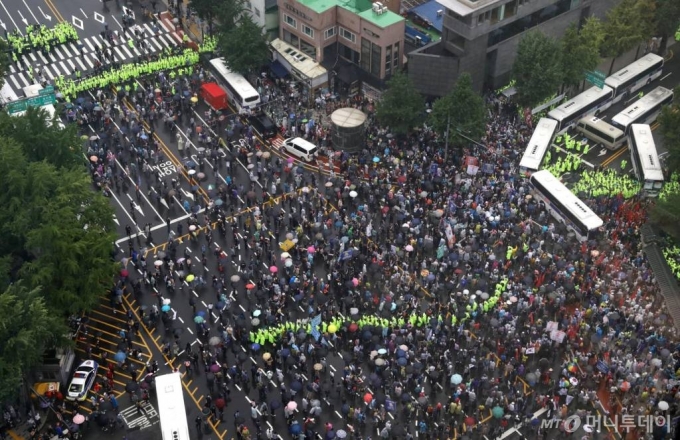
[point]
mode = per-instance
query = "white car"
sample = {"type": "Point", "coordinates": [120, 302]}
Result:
{"type": "Point", "coordinates": [82, 381]}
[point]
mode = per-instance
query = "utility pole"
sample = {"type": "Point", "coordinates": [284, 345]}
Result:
{"type": "Point", "coordinates": [446, 143]}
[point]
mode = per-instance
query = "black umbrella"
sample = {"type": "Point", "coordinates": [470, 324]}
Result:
{"type": "Point", "coordinates": [131, 387]}
{"type": "Point", "coordinates": [296, 386]}
{"type": "Point", "coordinates": [275, 404]}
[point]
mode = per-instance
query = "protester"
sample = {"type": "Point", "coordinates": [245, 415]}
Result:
{"type": "Point", "coordinates": [463, 305]}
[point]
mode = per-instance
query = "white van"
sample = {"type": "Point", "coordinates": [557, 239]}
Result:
{"type": "Point", "coordinates": [301, 148]}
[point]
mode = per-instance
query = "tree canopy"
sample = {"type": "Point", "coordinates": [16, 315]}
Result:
{"type": "Point", "coordinates": [629, 23]}
{"type": "Point", "coordinates": [666, 20]}
{"type": "Point", "coordinates": [580, 50]}
{"type": "Point", "coordinates": [4, 60]}
{"type": "Point", "coordinates": [537, 69]}
{"type": "Point", "coordinates": [27, 327]}
{"type": "Point", "coordinates": [464, 108]}
{"type": "Point", "coordinates": [244, 46]}
{"type": "Point", "coordinates": [401, 107]}
{"type": "Point", "coordinates": [666, 211]}
{"type": "Point", "coordinates": [57, 231]}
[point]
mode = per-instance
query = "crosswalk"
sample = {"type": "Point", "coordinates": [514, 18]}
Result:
{"type": "Point", "coordinates": [66, 58]}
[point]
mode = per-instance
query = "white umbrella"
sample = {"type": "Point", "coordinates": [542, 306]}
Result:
{"type": "Point", "coordinates": [663, 405]}
{"type": "Point", "coordinates": [289, 262]}
{"type": "Point", "coordinates": [166, 301]}
{"type": "Point", "coordinates": [285, 255]}
{"type": "Point", "coordinates": [353, 194]}
{"type": "Point", "coordinates": [158, 263]}
{"type": "Point", "coordinates": [305, 189]}
{"type": "Point", "coordinates": [192, 228]}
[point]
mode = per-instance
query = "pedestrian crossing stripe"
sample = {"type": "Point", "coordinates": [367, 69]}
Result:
{"type": "Point", "coordinates": [66, 59]}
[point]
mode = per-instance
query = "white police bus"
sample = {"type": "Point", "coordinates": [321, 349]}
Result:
{"type": "Point", "coordinates": [171, 408]}
{"type": "Point", "coordinates": [240, 93]}
{"type": "Point", "coordinates": [538, 146]}
{"type": "Point", "coordinates": [645, 159]}
{"type": "Point", "coordinates": [590, 102]}
{"type": "Point", "coordinates": [645, 110]}
{"type": "Point", "coordinates": [635, 75]}
{"type": "Point", "coordinates": [564, 206]}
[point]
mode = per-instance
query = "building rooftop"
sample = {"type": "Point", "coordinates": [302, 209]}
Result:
{"type": "Point", "coordinates": [428, 11]}
{"type": "Point", "coordinates": [466, 7]}
{"type": "Point", "coordinates": [360, 7]}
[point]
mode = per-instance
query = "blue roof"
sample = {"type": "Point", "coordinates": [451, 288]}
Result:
{"type": "Point", "coordinates": [428, 11]}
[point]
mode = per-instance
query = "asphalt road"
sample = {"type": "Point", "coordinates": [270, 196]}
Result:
{"type": "Point", "coordinates": [600, 156]}
{"type": "Point", "coordinates": [66, 59]}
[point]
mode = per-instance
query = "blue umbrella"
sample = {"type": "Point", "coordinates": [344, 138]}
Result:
{"type": "Point", "coordinates": [295, 428]}
{"type": "Point", "coordinates": [220, 305]}
{"type": "Point", "coordinates": [285, 352]}
{"type": "Point", "coordinates": [456, 379]}
{"type": "Point", "coordinates": [201, 313]}
{"type": "Point", "coordinates": [255, 347]}
{"type": "Point", "coordinates": [120, 356]}
{"type": "Point", "coordinates": [165, 308]}
{"type": "Point", "coordinates": [376, 159]}
{"type": "Point", "coordinates": [296, 386]}
{"type": "Point", "coordinates": [402, 361]}
{"type": "Point", "coordinates": [401, 353]}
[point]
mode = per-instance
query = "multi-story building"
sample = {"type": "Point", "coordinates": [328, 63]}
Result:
{"type": "Point", "coordinates": [481, 37]}
{"type": "Point", "coordinates": [359, 43]}
{"type": "Point", "coordinates": [265, 13]}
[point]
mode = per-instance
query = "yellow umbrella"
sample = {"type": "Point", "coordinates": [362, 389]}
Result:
{"type": "Point", "coordinates": [194, 99]}
{"type": "Point", "coordinates": [190, 278]}
{"type": "Point", "coordinates": [266, 356]}
{"type": "Point", "coordinates": [332, 328]}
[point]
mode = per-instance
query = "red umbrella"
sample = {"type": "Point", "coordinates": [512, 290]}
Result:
{"type": "Point", "coordinates": [353, 327]}
{"type": "Point", "coordinates": [220, 403]}
{"type": "Point", "coordinates": [124, 273]}
{"type": "Point", "coordinates": [368, 398]}
{"type": "Point", "coordinates": [470, 421]}
{"type": "Point", "coordinates": [250, 286]}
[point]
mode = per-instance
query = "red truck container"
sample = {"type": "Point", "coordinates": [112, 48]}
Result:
{"type": "Point", "coordinates": [215, 96]}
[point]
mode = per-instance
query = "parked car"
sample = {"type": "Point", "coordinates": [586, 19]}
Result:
{"type": "Point", "coordinates": [264, 125]}
{"type": "Point", "coordinates": [83, 379]}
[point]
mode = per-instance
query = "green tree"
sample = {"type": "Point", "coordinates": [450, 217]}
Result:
{"type": "Point", "coordinates": [401, 107]}
{"type": "Point", "coordinates": [207, 10]}
{"type": "Point", "coordinates": [57, 232]}
{"type": "Point", "coordinates": [42, 138]}
{"type": "Point", "coordinates": [580, 50]}
{"type": "Point", "coordinates": [666, 20]}
{"type": "Point", "coordinates": [244, 47]}
{"type": "Point", "coordinates": [629, 23]}
{"type": "Point", "coordinates": [463, 110]}
{"type": "Point", "coordinates": [27, 328]}
{"type": "Point", "coordinates": [229, 15]}
{"type": "Point", "coordinates": [669, 127]}
{"type": "Point", "coordinates": [666, 211]}
{"type": "Point", "coordinates": [537, 70]}
{"type": "Point", "coordinates": [4, 60]}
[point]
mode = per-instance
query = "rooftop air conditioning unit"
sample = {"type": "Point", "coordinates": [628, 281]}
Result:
{"type": "Point", "coordinates": [377, 7]}
{"type": "Point", "coordinates": [440, 12]}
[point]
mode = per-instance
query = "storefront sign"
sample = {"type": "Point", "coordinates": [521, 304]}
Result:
{"type": "Point", "coordinates": [297, 12]}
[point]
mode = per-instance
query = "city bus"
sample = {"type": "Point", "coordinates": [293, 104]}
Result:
{"type": "Point", "coordinates": [171, 408]}
{"type": "Point", "coordinates": [634, 76]}
{"type": "Point", "coordinates": [590, 102]}
{"type": "Point", "coordinates": [598, 130]}
{"type": "Point", "coordinates": [645, 159]}
{"type": "Point", "coordinates": [564, 206]}
{"type": "Point", "coordinates": [538, 145]}
{"type": "Point", "coordinates": [645, 110]}
{"type": "Point", "coordinates": [240, 93]}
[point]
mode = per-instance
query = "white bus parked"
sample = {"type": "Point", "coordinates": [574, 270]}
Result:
{"type": "Point", "coordinates": [240, 93]}
{"type": "Point", "coordinates": [645, 159]}
{"type": "Point", "coordinates": [538, 146]}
